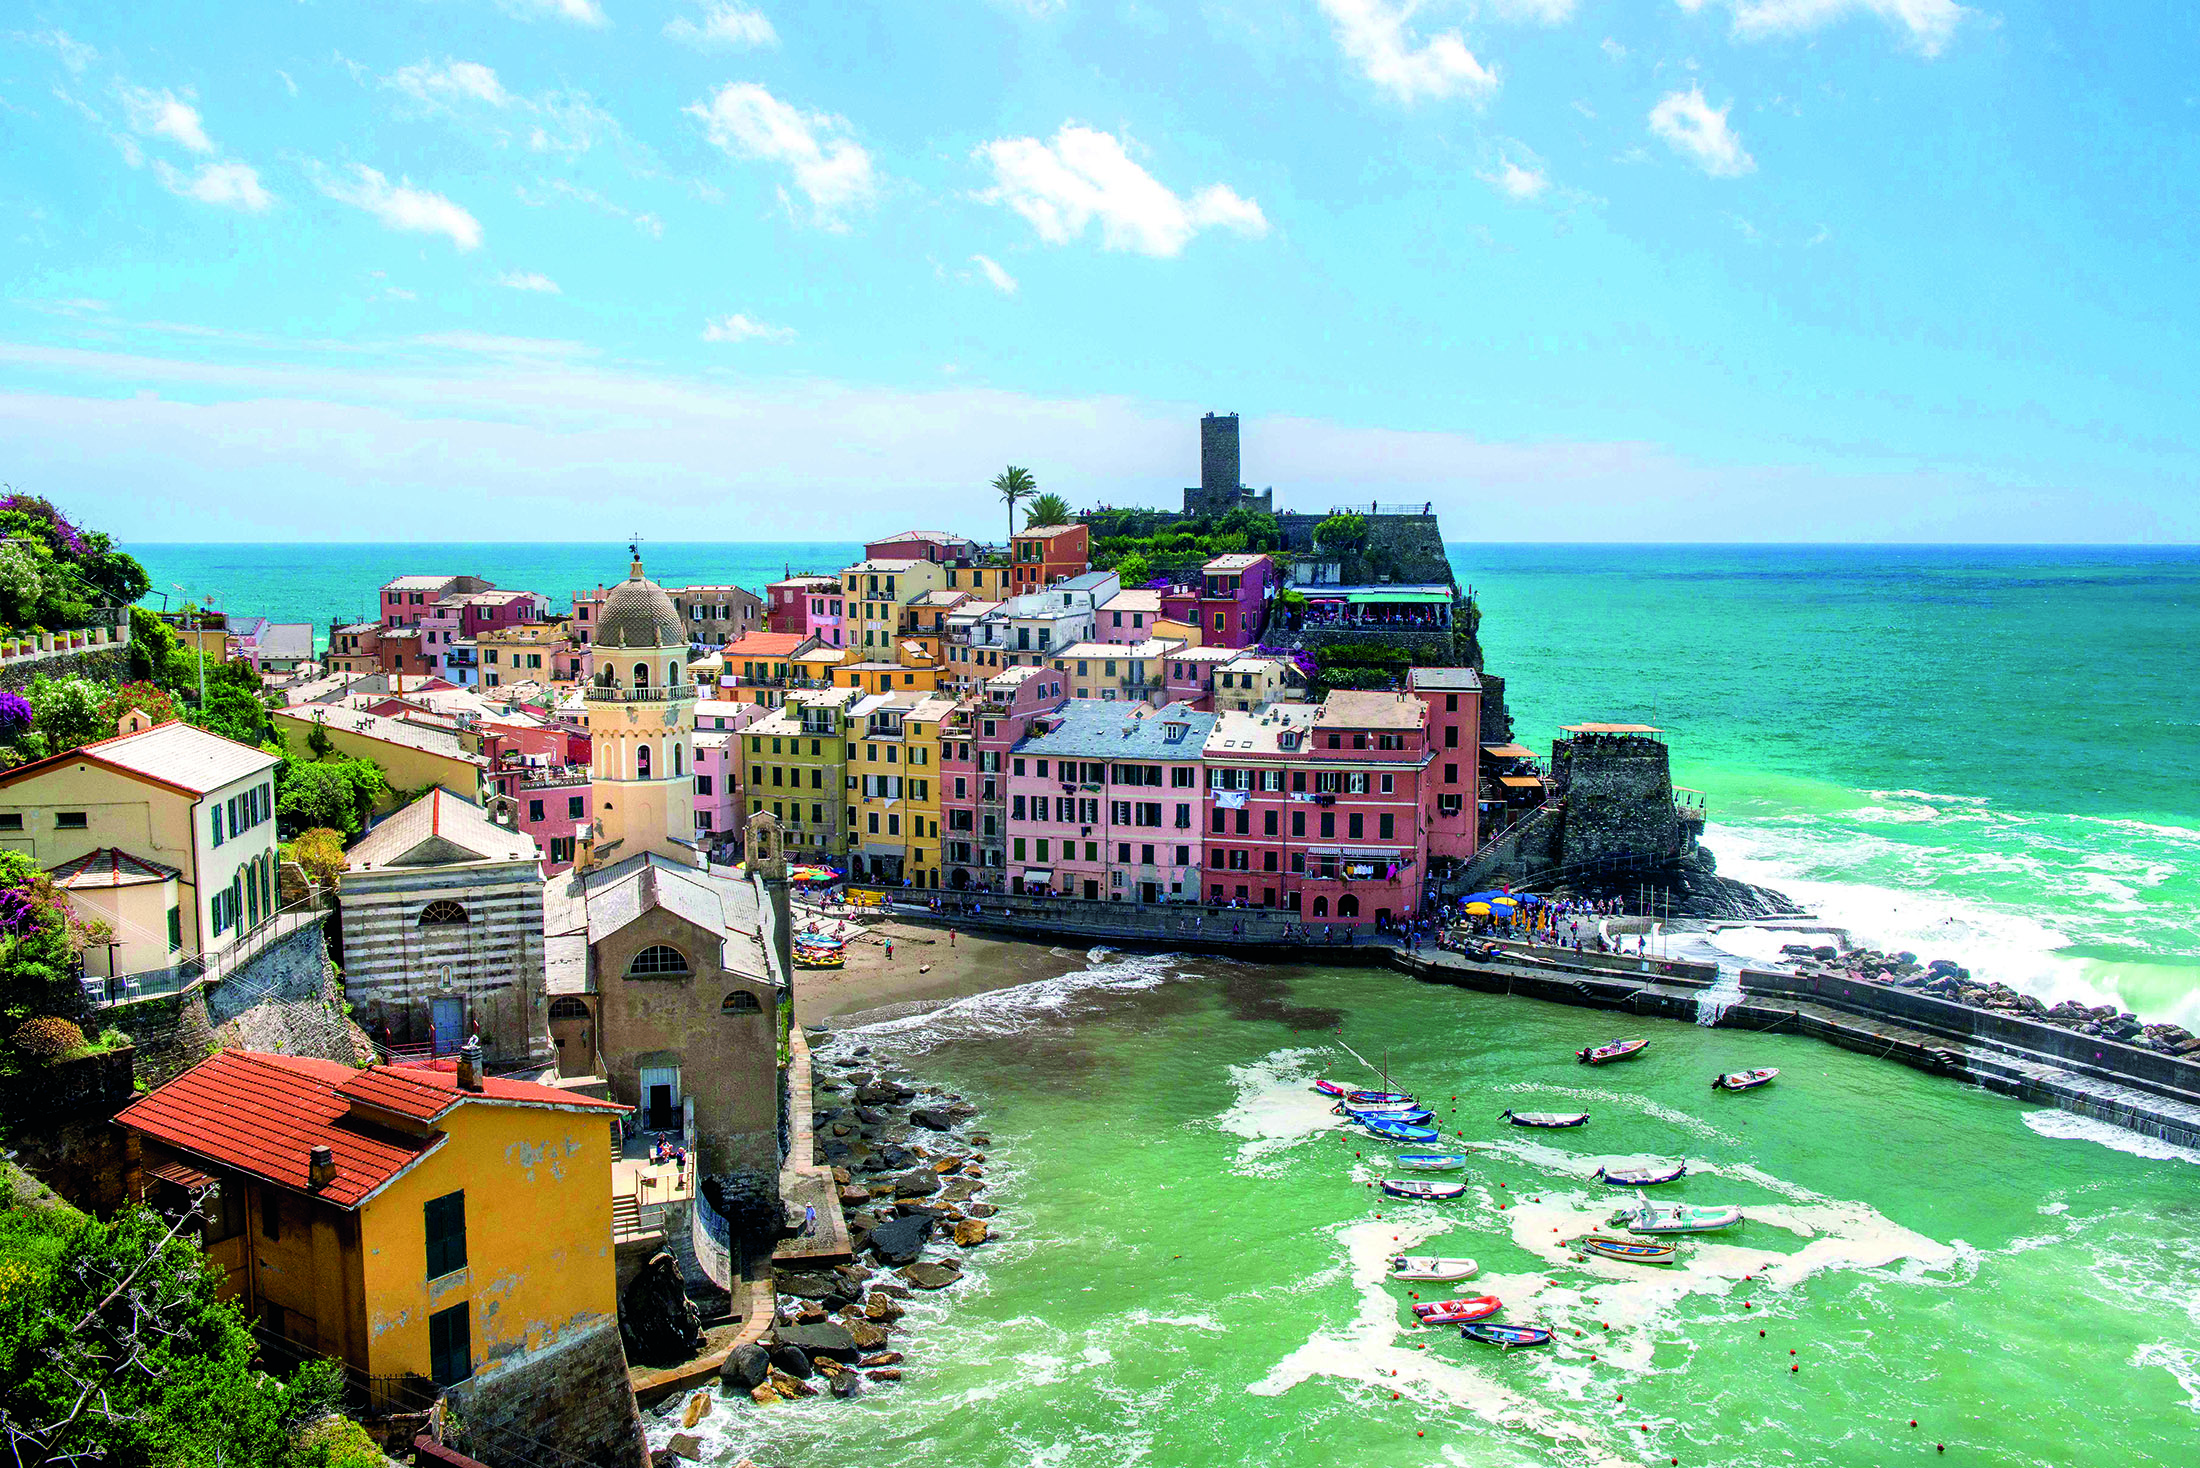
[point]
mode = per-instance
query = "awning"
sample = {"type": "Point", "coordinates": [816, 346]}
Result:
{"type": "Point", "coordinates": [1039, 874]}
{"type": "Point", "coordinates": [190, 1179]}
{"type": "Point", "coordinates": [1520, 782]}
{"type": "Point", "coordinates": [1508, 751]}
{"type": "Point", "coordinates": [1383, 596]}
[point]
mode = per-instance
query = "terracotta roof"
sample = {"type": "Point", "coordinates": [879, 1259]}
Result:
{"type": "Point", "coordinates": [110, 866]}
{"type": "Point", "coordinates": [763, 645]}
{"type": "Point", "coordinates": [1357, 709]}
{"type": "Point", "coordinates": [264, 1114]}
{"type": "Point", "coordinates": [1047, 532]}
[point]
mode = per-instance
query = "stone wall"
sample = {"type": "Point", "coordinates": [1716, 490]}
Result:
{"type": "Point", "coordinates": [570, 1400]}
{"type": "Point", "coordinates": [109, 664]}
{"type": "Point", "coordinates": [1619, 799]}
{"type": "Point", "coordinates": [283, 1000]}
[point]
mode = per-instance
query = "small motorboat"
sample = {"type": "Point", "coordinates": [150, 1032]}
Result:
{"type": "Point", "coordinates": [1457, 1312]}
{"type": "Point", "coordinates": [1333, 1088]}
{"type": "Point", "coordinates": [1545, 1118]}
{"type": "Point", "coordinates": [1744, 1080]}
{"type": "Point", "coordinates": [1615, 1050]}
{"type": "Point", "coordinates": [1398, 1131]}
{"type": "Point", "coordinates": [1641, 1177]}
{"type": "Point", "coordinates": [1675, 1218]}
{"type": "Point", "coordinates": [1380, 1098]}
{"type": "Point", "coordinates": [1628, 1251]}
{"type": "Point", "coordinates": [1491, 1334]}
{"type": "Point", "coordinates": [1426, 1267]}
{"type": "Point", "coordinates": [1427, 1189]}
{"type": "Point", "coordinates": [1433, 1161]}
{"type": "Point", "coordinates": [1410, 1115]}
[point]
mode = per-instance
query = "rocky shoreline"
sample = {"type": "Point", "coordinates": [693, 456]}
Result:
{"type": "Point", "coordinates": [1944, 978]}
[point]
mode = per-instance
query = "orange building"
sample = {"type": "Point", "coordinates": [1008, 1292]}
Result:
{"type": "Point", "coordinates": [1041, 556]}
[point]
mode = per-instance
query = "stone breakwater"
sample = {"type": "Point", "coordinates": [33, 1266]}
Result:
{"type": "Point", "coordinates": [910, 1166]}
{"type": "Point", "coordinates": [1944, 978]}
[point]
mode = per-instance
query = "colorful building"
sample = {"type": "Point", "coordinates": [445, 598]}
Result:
{"type": "Point", "coordinates": [938, 546]}
{"type": "Point", "coordinates": [808, 605]}
{"type": "Point", "coordinates": [1364, 856]}
{"type": "Point", "coordinates": [796, 762]}
{"type": "Point", "coordinates": [1104, 802]}
{"type": "Point", "coordinates": [1041, 556]}
{"type": "Point", "coordinates": [974, 752]}
{"type": "Point", "coordinates": [1454, 700]}
{"type": "Point", "coordinates": [1259, 803]}
{"type": "Point", "coordinates": [716, 615]}
{"type": "Point", "coordinates": [1117, 673]}
{"type": "Point", "coordinates": [1227, 600]}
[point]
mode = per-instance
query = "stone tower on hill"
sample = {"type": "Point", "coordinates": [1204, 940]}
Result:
{"type": "Point", "coordinates": [1219, 490]}
{"type": "Point", "coordinates": [641, 728]}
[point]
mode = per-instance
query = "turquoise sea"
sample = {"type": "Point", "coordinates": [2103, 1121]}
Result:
{"type": "Point", "coordinates": [1991, 753]}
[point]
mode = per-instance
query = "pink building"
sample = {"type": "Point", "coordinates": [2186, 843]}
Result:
{"type": "Point", "coordinates": [1104, 801]}
{"type": "Point", "coordinates": [552, 807]}
{"type": "Point", "coordinates": [1189, 674]}
{"type": "Point", "coordinates": [809, 606]}
{"type": "Point", "coordinates": [975, 742]}
{"type": "Point", "coordinates": [1256, 785]}
{"type": "Point", "coordinates": [1454, 699]}
{"type": "Point", "coordinates": [717, 787]}
{"type": "Point", "coordinates": [1128, 616]}
{"type": "Point", "coordinates": [1364, 854]}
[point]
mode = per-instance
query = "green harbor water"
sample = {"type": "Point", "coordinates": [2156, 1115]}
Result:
{"type": "Point", "coordinates": [1190, 1269]}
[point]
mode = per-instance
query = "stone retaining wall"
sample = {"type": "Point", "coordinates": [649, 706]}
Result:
{"type": "Point", "coordinates": [574, 1397]}
{"type": "Point", "coordinates": [107, 664]}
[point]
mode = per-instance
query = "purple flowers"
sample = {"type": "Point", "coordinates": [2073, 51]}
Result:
{"type": "Point", "coordinates": [15, 717]}
{"type": "Point", "coordinates": [19, 911]}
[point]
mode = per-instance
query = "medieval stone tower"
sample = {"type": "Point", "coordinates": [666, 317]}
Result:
{"type": "Point", "coordinates": [641, 727]}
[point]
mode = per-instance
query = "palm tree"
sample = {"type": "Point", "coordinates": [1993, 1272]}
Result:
{"type": "Point", "coordinates": [1047, 509]}
{"type": "Point", "coordinates": [1014, 486]}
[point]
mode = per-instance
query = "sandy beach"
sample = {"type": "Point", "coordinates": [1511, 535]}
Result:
{"type": "Point", "coordinates": [927, 963]}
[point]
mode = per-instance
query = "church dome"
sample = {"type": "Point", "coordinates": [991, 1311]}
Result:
{"type": "Point", "coordinates": [637, 613]}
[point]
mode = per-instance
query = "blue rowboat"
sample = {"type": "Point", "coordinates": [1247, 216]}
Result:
{"type": "Point", "coordinates": [1410, 1115]}
{"type": "Point", "coordinates": [1427, 1189]}
{"type": "Point", "coordinates": [1433, 1161]}
{"type": "Point", "coordinates": [1398, 1131]}
{"type": "Point", "coordinates": [1544, 1118]}
{"type": "Point", "coordinates": [1491, 1334]}
{"type": "Point", "coordinates": [1380, 1098]}
{"type": "Point", "coordinates": [1640, 1177]}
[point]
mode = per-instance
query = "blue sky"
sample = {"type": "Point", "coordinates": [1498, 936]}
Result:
{"type": "Point", "coordinates": [743, 269]}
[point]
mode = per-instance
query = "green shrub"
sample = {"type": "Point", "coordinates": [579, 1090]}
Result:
{"type": "Point", "coordinates": [48, 1038]}
{"type": "Point", "coordinates": [336, 1442]}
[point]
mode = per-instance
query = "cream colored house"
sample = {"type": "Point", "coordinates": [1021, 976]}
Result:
{"type": "Point", "coordinates": [168, 799]}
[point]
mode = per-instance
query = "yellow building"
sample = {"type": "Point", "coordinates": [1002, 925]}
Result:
{"type": "Point", "coordinates": [795, 765]}
{"type": "Point", "coordinates": [1134, 672]}
{"type": "Point", "coordinates": [883, 818]}
{"type": "Point", "coordinates": [920, 746]}
{"type": "Point", "coordinates": [884, 677]}
{"type": "Point", "coordinates": [878, 594]}
{"type": "Point", "coordinates": [535, 652]}
{"type": "Point", "coordinates": [413, 756]}
{"type": "Point", "coordinates": [438, 1226]}
{"type": "Point", "coordinates": [987, 583]}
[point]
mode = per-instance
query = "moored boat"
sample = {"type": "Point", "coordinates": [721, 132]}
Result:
{"type": "Point", "coordinates": [1398, 1131]}
{"type": "Point", "coordinates": [1380, 1098]}
{"type": "Point", "coordinates": [1457, 1312]}
{"type": "Point", "coordinates": [1545, 1118]}
{"type": "Point", "coordinates": [1433, 1161]}
{"type": "Point", "coordinates": [1427, 1189]}
{"type": "Point", "coordinates": [1492, 1334]}
{"type": "Point", "coordinates": [1641, 1176]}
{"type": "Point", "coordinates": [1410, 1115]}
{"type": "Point", "coordinates": [1647, 1217]}
{"type": "Point", "coordinates": [1427, 1267]}
{"type": "Point", "coordinates": [1629, 1251]}
{"type": "Point", "coordinates": [1332, 1088]}
{"type": "Point", "coordinates": [1744, 1080]}
{"type": "Point", "coordinates": [1613, 1050]}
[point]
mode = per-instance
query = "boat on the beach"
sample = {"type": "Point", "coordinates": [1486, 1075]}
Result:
{"type": "Point", "coordinates": [1492, 1334]}
{"type": "Point", "coordinates": [1457, 1312]}
{"type": "Point", "coordinates": [1647, 1217]}
{"type": "Point", "coordinates": [1427, 1189]}
{"type": "Point", "coordinates": [1628, 1251]}
{"type": "Point", "coordinates": [1433, 1161]}
{"type": "Point", "coordinates": [1744, 1080]}
{"type": "Point", "coordinates": [1430, 1269]}
{"type": "Point", "coordinates": [1544, 1118]}
{"type": "Point", "coordinates": [1380, 1098]}
{"type": "Point", "coordinates": [1613, 1050]}
{"type": "Point", "coordinates": [1640, 1176]}
{"type": "Point", "coordinates": [1332, 1088]}
{"type": "Point", "coordinates": [1397, 1131]}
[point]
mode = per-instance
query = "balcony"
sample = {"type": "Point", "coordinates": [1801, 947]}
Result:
{"type": "Point", "coordinates": [677, 693]}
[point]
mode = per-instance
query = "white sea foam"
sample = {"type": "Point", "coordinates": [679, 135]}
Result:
{"type": "Point", "coordinates": [914, 1028]}
{"type": "Point", "coordinates": [1277, 1109]}
{"type": "Point", "coordinates": [1594, 1099]}
{"type": "Point", "coordinates": [2068, 1126]}
{"type": "Point", "coordinates": [2181, 1362]}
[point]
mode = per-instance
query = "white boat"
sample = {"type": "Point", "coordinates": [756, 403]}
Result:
{"type": "Point", "coordinates": [1675, 1218]}
{"type": "Point", "coordinates": [1433, 1161]}
{"type": "Point", "coordinates": [1430, 1269]}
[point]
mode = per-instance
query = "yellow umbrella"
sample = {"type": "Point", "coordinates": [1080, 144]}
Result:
{"type": "Point", "coordinates": [1476, 909]}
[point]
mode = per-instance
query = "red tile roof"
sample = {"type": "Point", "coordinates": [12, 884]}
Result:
{"type": "Point", "coordinates": [763, 644]}
{"type": "Point", "coordinates": [264, 1114]}
{"type": "Point", "coordinates": [110, 866]}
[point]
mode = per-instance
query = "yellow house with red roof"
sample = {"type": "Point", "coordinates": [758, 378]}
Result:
{"type": "Point", "coordinates": [431, 1229]}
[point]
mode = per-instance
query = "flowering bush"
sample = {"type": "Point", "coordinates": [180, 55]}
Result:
{"type": "Point", "coordinates": [48, 1038]}
{"type": "Point", "coordinates": [15, 717]}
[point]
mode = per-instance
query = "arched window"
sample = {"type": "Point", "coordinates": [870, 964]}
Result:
{"type": "Point", "coordinates": [1348, 906]}
{"type": "Point", "coordinates": [676, 759]}
{"type": "Point", "coordinates": [568, 1008]}
{"type": "Point", "coordinates": [442, 913]}
{"type": "Point", "coordinates": [1321, 907]}
{"type": "Point", "coordinates": [657, 959]}
{"type": "Point", "coordinates": [740, 1002]}
{"type": "Point", "coordinates": [672, 675]}
{"type": "Point", "coordinates": [641, 762]}
{"type": "Point", "coordinates": [641, 675]}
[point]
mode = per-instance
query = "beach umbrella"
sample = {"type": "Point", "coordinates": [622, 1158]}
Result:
{"type": "Point", "coordinates": [1477, 909]}
{"type": "Point", "coordinates": [1529, 898]}
{"type": "Point", "coordinates": [1505, 902]}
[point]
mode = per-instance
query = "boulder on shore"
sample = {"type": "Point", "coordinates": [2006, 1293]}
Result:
{"type": "Point", "coordinates": [971, 1232]}
{"type": "Point", "coordinates": [932, 1119]}
{"type": "Point", "coordinates": [902, 1240]}
{"type": "Point", "coordinates": [806, 1341]}
{"type": "Point", "coordinates": [746, 1367]}
{"type": "Point", "coordinates": [931, 1276]}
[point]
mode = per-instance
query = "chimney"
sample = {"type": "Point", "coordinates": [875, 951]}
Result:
{"type": "Point", "coordinates": [469, 1064]}
{"type": "Point", "coordinates": [320, 1167]}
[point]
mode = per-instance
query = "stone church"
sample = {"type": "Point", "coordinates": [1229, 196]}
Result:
{"type": "Point", "coordinates": [662, 976]}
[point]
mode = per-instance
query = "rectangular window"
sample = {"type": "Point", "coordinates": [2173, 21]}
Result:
{"type": "Point", "coordinates": [702, 787]}
{"type": "Point", "coordinates": [1017, 848]}
{"type": "Point", "coordinates": [450, 1346]}
{"type": "Point", "coordinates": [573, 804]}
{"type": "Point", "coordinates": [1268, 823]}
{"type": "Point", "coordinates": [1451, 736]}
{"type": "Point", "coordinates": [1298, 823]}
{"type": "Point", "coordinates": [1355, 826]}
{"type": "Point", "coordinates": [1387, 785]}
{"type": "Point", "coordinates": [217, 817]}
{"type": "Point", "coordinates": [446, 1219]}
{"type": "Point", "coordinates": [534, 810]}
{"type": "Point", "coordinates": [1123, 853]}
{"type": "Point", "coordinates": [1329, 825]}
{"type": "Point", "coordinates": [271, 1215]}
{"type": "Point", "coordinates": [1386, 827]}
{"type": "Point", "coordinates": [11, 821]}
{"type": "Point", "coordinates": [69, 820]}
{"type": "Point", "coordinates": [1042, 847]}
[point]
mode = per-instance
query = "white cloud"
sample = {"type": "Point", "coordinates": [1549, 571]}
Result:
{"type": "Point", "coordinates": [831, 169]}
{"type": "Point", "coordinates": [164, 115]}
{"type": "Point", "coordinates": [1084, 175]}
{"type": "Point", "coordinates": [529, 280]}
{"type": "Point", "coordinates": [1928, 24]}
{"type": "Point", "coordinates": [989, 267]}
{"type": "Point", "coordinates": [75, 54]}
{"type": "Point", "coordinates": [580, 12]}
{"type": "Point", "coordinates": [1613, 49]}
{"type": "Point", "coordinates": [233, 185]}
{"type": "Point", "coordinates": [1699, 131]}
{"type": "Point", "coordinates": [289, 85]}
{"type": "Point", "coordinates": [1521, 182]}
{"type": "Point", "coordinates": [740, 328]}
{"type": "Point", "coordinates": [399, 206]}
{"type": "Point", "coordinates": [451, 82]}
{"type": "Point", "coordinates": [1374, 34]}
{"type": "Point", "coordinates": [1534, 12]}
{"type": "Point", "coordinates": [724, 23]}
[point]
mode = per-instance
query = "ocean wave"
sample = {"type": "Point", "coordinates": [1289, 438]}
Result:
{"type": "Point", "coordinates": [2068, 1126]}
{"type": "Point", "coordinates": [914, 1028]}
{"type": "Point", "coordinates": [2181, 1362]}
